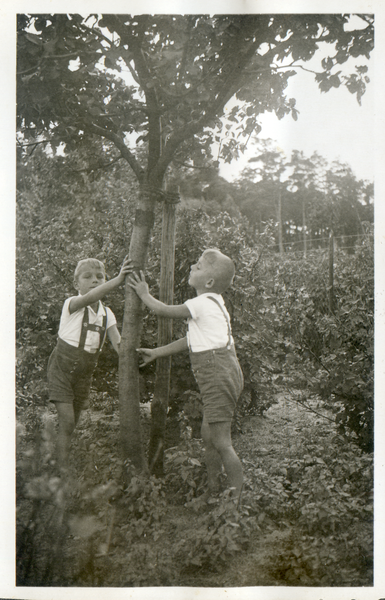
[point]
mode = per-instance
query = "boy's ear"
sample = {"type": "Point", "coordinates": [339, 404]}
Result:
{"type": "Point", "coordinates": [210, 283]}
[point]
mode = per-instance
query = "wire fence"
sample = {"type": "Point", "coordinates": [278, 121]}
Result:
{"type": "Point", "coordinates": [341, 242]}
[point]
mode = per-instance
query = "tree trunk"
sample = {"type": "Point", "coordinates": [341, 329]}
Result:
{"type": "Point", "coordinates": [304, 228]}
{"type": "Point", "coordinates": [279, 218]}
{"type": "Point", "coordinates": [130, 430]}
{"type": "Point", "coordinates": [331, 273]}
{"type": "Point", "coordinates": [159, 403]}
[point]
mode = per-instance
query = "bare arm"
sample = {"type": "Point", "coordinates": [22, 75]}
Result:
{"type": "Point", "coordinates": [140, 286]}
{"type": "Point", "coordinates": [149, 354]}
{"type": "Point", "coordinates": [114, 337]}
{"type": "Point", "coordinates": [101, 290]}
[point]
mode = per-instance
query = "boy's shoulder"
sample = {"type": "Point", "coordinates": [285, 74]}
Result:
{"type": "Point", "coordinates": [212, 298]}
{"type": "Point", "coordinates": [102, 308]}
{"type": "Point", "coordinates": [67, 301]}
{"type": "Point", "coordinates": [206, 296]}
{"type": "Point", "coordinates": [203, 302]}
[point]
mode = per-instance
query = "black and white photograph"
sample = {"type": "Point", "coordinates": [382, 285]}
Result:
{"type": "Point", "coordinates": [194, 291]}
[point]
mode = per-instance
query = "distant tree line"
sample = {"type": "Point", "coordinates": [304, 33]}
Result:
{"type": "Point", "coordinates": [305, 198]}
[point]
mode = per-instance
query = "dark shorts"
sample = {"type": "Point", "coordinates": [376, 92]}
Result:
{"type": "Point", "coordinates": [220, 380]}
{"type": "Point", "coordinates": [69, 375]}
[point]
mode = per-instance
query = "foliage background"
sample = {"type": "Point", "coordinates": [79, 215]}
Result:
{"type": "Point", "coordinates": [286, 332]}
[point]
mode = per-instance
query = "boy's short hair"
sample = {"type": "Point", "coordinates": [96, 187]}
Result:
{"type": "Point", "coordinates": [88, 262]}
{"type": "Point", "coordinates": [223, 269]}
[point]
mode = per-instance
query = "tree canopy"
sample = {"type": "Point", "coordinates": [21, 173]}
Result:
{"type": "Point", "coordinates": [184, 69]}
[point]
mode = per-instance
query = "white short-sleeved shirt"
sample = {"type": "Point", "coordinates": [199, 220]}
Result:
{"type": "Point", "coordinates": [208, 328]}
{"type": "Point", "coordinates": [71, 325]}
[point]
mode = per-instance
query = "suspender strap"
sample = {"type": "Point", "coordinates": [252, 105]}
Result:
{"type": "Point", "coordinates": [87, 326]}
{"type": "Point", "coordinates": [227, 320]}
{"type": "Point", "coordinates": [84, 329]}
{"type": "Point", "coordinates": [102, 329]}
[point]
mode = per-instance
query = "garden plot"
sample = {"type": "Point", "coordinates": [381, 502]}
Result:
{"type": "Point", "coordinates": [305, 518]}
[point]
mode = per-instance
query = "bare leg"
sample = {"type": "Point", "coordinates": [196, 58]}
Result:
{"type": "Point", "coordinates": [213, 459]}
{"type": "Point", "coordinates": [77, 413]}
{"type": "Point", "coordinates": [220, 439]}
{"type": "Point", "coordinates": [67, 424]}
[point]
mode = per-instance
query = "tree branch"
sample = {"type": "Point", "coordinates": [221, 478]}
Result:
{"type": "Point", "coordinates": [33, 143]}
{"type": "Point", "coordinates": [96, 32]}
{"type": "Point", "coordinates": [98, 166]}
{"type": "Point", "coordinates": [229, 88]}
{"type": "Point", "coordinates": [183, 164]}
{"type": "Point", "coordinates": [119, 143]}
{"type": "Point", "coordinates": [134, 74]}
{"type": "Point", "coordinates": [144, 76]}
{"type": "Point", "coordinates": [309, 409]}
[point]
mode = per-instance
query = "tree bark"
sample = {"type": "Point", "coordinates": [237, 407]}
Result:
{"type": "Point", "coordinates": [279, 218]}
{"type": "Point", "coordinates": [130, 429]}
{"type": "Point", "coordinates": [331, 272]}
{"type": "Point", "coordinates": [304, 228]}
{"type": "Point", "coordinates": [160, 401]}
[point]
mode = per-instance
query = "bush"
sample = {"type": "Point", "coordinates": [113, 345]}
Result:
{"type": "Point", "coordinates": [285, 334]}
{"type": "Point", "coordinates": [53, 234]}
{"type": "Point", "coordinates": [324, 352]}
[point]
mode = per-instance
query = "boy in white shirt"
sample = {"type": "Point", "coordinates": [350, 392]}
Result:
{"type": "Point", "coordinates": [84, 323]}
{"type": "Point", "coordinates": [212, 355]}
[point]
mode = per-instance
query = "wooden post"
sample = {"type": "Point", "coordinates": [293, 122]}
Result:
{"type": "Point", "coordinates": [159, 404]}
{"type": "Point", "coordinates": [331, 272]}
{"type": "Point", "coordinates": [280, 228]}
{"type": "Point", "coordinates": [304, 228]}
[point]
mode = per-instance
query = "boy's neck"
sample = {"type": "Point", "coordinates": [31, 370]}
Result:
{"type": "Point", "coordinates": [95, 306]}
{"type": "Point", "coordinates": [205, 291]}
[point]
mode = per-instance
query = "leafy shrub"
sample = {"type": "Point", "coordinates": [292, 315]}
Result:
{"type": "Point", "coordinates": [186, 474]}
{"type": "Point", "coordinates": [218, 537]}
{"type": "Point", "coordinates": [144, 499]}
{"type": "Point", "coordinates": [318, 492]}
{"type": "Point", "coordinates": [307, 559]}
{"type": "Point", "coordinates": [330, 353]}
{"type": "Point", "coordinates": [284, 331]}
{"type": "Point", "coordinates": [314, 495]}
{"type": "Point", "coordinates": [53, 234]}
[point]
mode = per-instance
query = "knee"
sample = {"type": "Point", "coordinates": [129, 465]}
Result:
{"type": "Point", "coordinates": [222, 446]}
{"type": "Point", "coordinates": [66, 418]}
{"type": "Point", "coordinates": [220, 436]}
{"type": "Point", "coordinates": [205, 432]}
{"type": "Point", "coordinates": [66, 427]}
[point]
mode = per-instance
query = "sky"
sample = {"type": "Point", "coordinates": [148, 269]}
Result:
{"type": "Point", "coordinates": [332, 124]}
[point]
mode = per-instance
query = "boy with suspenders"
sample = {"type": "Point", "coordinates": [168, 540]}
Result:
{"type": "Point", "coordinates": [212, 356]}
{"type": "Point", "coordinates": [84, 324]}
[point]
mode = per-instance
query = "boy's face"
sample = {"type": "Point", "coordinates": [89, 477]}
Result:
{"type": "Point", "coordinates": [201, 274]}
{"type": "Point", "coordinates": [89, 278]}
